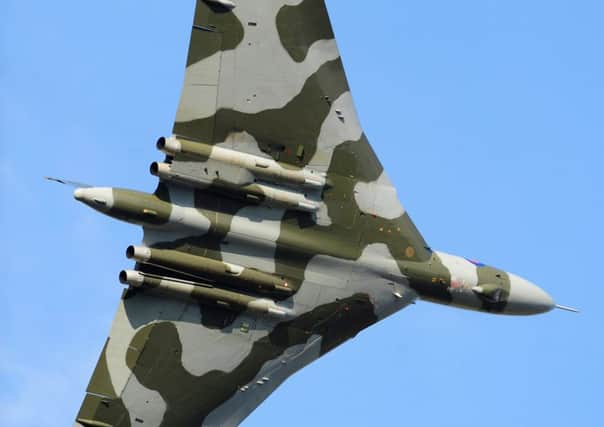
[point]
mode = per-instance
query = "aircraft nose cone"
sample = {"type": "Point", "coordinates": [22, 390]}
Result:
{"type": "Point", "coordinates": [527, 298]}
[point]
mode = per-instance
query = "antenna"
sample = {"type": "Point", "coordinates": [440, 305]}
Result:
{"type": "Point", "coordinates": [66, 182]}
{"type": "Point", "coordinates": [565, 308]}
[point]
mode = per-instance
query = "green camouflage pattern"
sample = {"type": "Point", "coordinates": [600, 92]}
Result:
{"type": "Point", "coordinates": [274, 234]}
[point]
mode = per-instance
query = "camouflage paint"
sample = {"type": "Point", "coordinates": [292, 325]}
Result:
{"type": "Point", "coordinates": [263, 78]}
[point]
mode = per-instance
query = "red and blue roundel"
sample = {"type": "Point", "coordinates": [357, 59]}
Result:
{"type": "Point", "coordinates": [476, 263]}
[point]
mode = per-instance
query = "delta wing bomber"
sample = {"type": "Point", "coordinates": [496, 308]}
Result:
{"type": "Point", "coordinates": [274, 234]}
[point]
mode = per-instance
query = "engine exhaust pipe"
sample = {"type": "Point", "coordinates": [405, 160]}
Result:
{"type": "Point", "coordinates": [203, 293]}
{"type": "Point", "coordinates": [222, 272]}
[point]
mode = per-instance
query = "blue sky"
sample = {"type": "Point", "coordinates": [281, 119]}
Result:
{"type": "Point", "coordinates": [487, 115]}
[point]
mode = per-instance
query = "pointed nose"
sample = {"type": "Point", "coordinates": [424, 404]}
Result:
{"type": "Point", "coordinates": [527, 298]}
